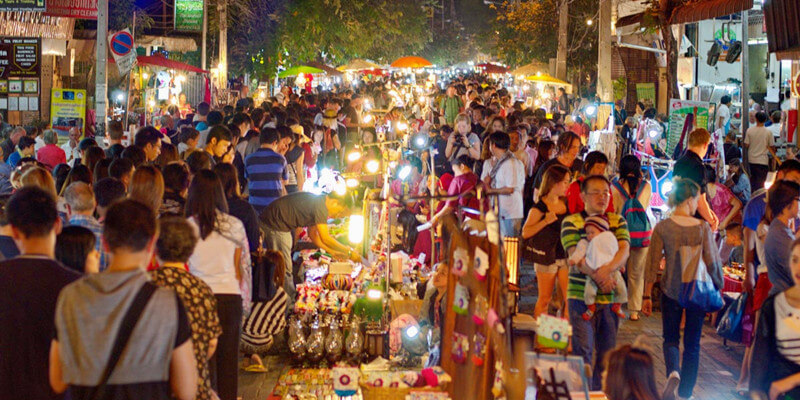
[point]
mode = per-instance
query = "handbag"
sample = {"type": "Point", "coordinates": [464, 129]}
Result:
{"type": "Point", "coordinates": [698, 292]}
{"type": "Point", "coordinates": [263, 285]}
{"type": "Point", "coordinates": [731, 325]}
{"type": "Point", "coordinates": [123, 335]}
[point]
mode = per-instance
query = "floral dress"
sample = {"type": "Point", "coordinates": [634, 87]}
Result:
{"type": "Point", "coordinates": [201, 309]}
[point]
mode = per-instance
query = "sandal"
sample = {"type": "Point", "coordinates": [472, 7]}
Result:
{"type": "Point", "coordinates": [634, 316]}
{"type": "Point", "coordinates": [255, 368]}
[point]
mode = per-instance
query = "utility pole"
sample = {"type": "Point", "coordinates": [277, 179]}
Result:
{"type": "Point", "coordinates": [745, 73]}
{"type": "Point", "coordinates": [604, 87]}
{"type": "Point", "coordinates": [205, 37]}
{"type": "Point", "coordinates": [101, 81]}
{"type": "Point", "coordinates": [223, 43]}
{"type": "Point", "coordinates": [563, 25]}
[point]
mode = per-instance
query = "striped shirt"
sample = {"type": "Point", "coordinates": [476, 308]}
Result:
{"type": "Point", "coordinates": [265, 171]}
{"type": "Point", "coordinates": [572, 231]}
{"type": "Point", "coordinates": [787, 321]}
{"type": "Point", "coordinates": [266, 320]}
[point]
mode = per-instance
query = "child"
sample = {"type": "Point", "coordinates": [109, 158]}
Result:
{"type": "Point", "coordinates": [729, 243]}
{"type": "Point", "coordinates": [597, 250]}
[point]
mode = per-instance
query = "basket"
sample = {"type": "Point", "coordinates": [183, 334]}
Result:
{"type": "Point", "coordinates": [392, 393]}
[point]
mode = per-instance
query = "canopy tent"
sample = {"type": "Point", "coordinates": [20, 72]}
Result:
{"type": "Point", "coordinates": [411, 62]}
{"type": "Point", "coordinates": [531, 69]}
{"type": "Point", "coordinates": [300, 69]}
{"type": "Point", "coordinates": [326, 68]}
{"type": "Point", "coordinates": [548, 80]}
{"type": "Point", "coordinates": [161, 61]}
{"type": "Point", "coordinates": [359, 65]}
{"type": "Point", "coordinates": [490, 68]}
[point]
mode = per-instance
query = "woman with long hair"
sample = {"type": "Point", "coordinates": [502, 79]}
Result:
{"type": "Point", "coordinates": [221, 259]}
{"type": "Point", "coordinates": [629, 374]}
{"type": "Point", "coordinates": [267, 319]}
{"type": "Point", "coordinates": [569, 145]}
{"type": "Point", "coordinates": [725, 205]}
{"type": "Point", "coordinates": [680, 239]}
{"type": "Point", "coordinates": [630, 183]}
{"type": "Point", "coordinates": [93, 155]}
{"type": "Point", "coordinates": [739, 182]}
{"type": "Point", "coordinates": [147, 187]}
{"type": "Point", "coordinates": [541, 235]}
{"type": "Point", "coordinates": [79, 173]}
{"type": "Point", "coordinates": [237, 206]}
{"type": "Point", "coordinates": [75, 248]}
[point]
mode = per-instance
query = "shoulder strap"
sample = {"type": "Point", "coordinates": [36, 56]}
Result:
{"type": "Point", "coordinates": [621, 189]}
{"type": "Point", "coordinates": [123, 335]}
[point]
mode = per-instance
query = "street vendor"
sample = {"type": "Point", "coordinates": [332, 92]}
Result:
{"type": "Point", "coordinates": [303, 210]}
{"type": "Point", "coordinates": [412, 185]}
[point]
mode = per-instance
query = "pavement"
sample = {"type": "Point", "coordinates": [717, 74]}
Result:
{"type": "Point", "coordinates": [717, 376]}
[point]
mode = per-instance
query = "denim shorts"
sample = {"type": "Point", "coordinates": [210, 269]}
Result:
{"type": "Point", "coordinates": [552, 268]}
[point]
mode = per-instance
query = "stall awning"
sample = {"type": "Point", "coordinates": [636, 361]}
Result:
{"type": "Point", "coordinates": [696, 11]}
{"type": "Point", "coordinates": [782, 18]}
{"type": "Point", "coordinates": [159, 61]}
{"type": "Point", "coordinates": [709, 9]}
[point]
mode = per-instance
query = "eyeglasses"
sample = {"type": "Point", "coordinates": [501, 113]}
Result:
{"type": "Point", "coordinates": [595, 194]}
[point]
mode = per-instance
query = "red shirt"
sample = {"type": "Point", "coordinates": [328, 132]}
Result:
{"type": "Point", "coordinates": [575, 203]}
{"type": "Point", "coordinates": [51, 155]}
{"type": "Point", "coordinates": [463, 184]}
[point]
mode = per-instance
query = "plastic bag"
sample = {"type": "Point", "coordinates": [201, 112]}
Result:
{"type": "Point", "coordinates": [731, 324]}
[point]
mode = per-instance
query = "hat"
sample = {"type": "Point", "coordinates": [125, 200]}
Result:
{"type": "Point", "coordinates": [598, 221]}
{"type": "Point", "coordinates": [329, 114]}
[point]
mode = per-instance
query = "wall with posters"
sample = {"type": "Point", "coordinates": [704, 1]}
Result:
{"type": "Point", "coordinates": [67, 109]}
{"type": "Point", "coordinates": [20, 72]}
{"type": "Point", "coordinates": [678, 110]}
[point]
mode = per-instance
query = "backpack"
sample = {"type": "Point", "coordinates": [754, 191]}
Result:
{"type": "Point", "coordinates": [636, 216]}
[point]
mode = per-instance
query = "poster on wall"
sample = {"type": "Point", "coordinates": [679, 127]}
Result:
{"type": "Point", "coordinates": [67, 109]}
{"type": "Point", "coordinates": [22, 5]}
{"type": "Point", "coordinates": [20, 57]}
{"type": "Point", "coordinates": [189, 15]}
{"type": "Point", "coordinates": [678, 110]}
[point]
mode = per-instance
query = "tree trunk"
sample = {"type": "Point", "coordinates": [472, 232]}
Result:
{"type": "Point", "coordinates": [671, 47]}
{"type": "Point", "coordinates": [452, 11]}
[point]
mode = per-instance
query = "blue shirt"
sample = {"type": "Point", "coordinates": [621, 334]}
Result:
{"type": "Point", "coordinates": [754, 210]}
{"type": "Point", "coordinates": [91, 224]}
{"type": "Point", "coordinates": [14, 158]}
{"type": "Point", "coordinates": [265, 171]}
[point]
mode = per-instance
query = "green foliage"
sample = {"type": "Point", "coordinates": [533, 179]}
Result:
{"type": "Point", "coordinates": [620, 88]}
{"type": "Point", "coordinates": [338, 30]}
{"type": "Point", "coordinates": [528, 30]}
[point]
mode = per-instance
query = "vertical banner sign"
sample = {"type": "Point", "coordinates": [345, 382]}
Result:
{"type": "Point", "coordinates": [121, 46]}
{"type": "Point", "coordinates": [80, 9]}
{"type": "Point", "coordinates": [22, 5]}
{"type": "Point", "coordinates": [188, 15]}
{"type": "Point", "coordinates": [67, 109]}
{"type": "Point", "coordinates": [678, 110]}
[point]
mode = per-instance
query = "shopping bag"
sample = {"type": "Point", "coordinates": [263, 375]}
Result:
{"type": "Point", "coordinates": [731, 325]}
{"type": "Point", "coordinates": [698, 292]}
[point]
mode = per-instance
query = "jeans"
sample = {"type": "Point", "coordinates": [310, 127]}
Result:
{"type": "Point", "coordinates": [635, 269]}
{"type": "Point", "coordinates": [224, 364]}
{"type": "Point", "coordinates": [510, 227]}
{"type": "Point", "coordinates": [599, 333]}
{"type": "Point", "coordinates": [282, 242]}
{"type": "Point", "coordinates": [671, 312]}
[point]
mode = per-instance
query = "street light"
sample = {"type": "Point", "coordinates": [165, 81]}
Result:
{"type": "Point", "coordinates": [589, 22]}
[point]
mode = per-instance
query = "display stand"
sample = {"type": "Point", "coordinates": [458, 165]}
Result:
{"type": "Point", "coordinates": [476, 381]}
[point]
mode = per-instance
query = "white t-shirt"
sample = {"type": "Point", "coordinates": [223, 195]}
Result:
{"type": "Point", "coordinates": [72, 153]}
{"type": "Point", "coordinates": [724, 112]}
{"type": "Point", "coordinates": [759, 139]}
{"type": "Point", "coordinates": [511, 174]}
{"type": "Point", "coordinates": [775, 129]}
{"type": "Point", "coordinates": [212, 259]}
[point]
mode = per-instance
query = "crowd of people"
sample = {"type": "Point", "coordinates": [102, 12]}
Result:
{"type": "Point", "coordinates": [128, 269]}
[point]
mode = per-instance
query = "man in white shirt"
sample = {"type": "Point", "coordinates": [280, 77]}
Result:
{"type": "Point", "coordinates": [759, 143]}
{"type": "Point", "coordinates": [71, 148]}
{"type": "Point", "coordinates": [724, 114]}
{"type": "Point", "coordinates": [775, 128]}
{"type": "Point", "coordinates": [504, 176]}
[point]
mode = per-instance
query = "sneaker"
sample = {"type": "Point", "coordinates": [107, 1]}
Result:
{"type": "Point", "coordinates": [671, 388]}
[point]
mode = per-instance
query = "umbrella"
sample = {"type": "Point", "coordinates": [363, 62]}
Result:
{"type": "Point", "coordinates": [300, 69]}
{"type": "Point", "coordinates": [490, 68]}
{"type": "Point", "coordinates": [358, 65]}
{"type": "Point", "coordinates": [530, 69]}
{"type": "Point", "coordinates": [411, 62]}
{"type": "Point", "coordinates": [547, 79]}
{"type": "Point", "coordinates": [325, 68]}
